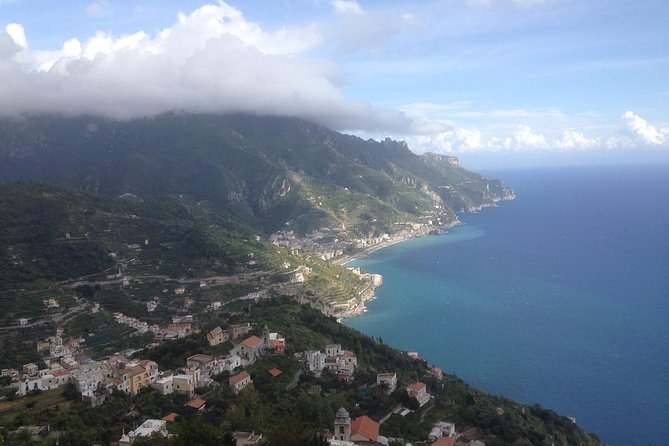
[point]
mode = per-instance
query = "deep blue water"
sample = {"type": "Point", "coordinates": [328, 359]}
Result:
{"type": "Point", "coordinates": [559, 297]}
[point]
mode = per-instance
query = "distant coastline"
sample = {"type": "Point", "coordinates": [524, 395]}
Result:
{"type": "Point", "coordinates": [364, 252]}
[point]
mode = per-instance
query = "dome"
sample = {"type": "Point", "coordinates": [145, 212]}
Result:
{"type": "Point", "coordinates": [341, 413]}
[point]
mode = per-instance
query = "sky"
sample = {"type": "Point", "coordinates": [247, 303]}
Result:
{"type": "Point", "coordinates": [495, 82]}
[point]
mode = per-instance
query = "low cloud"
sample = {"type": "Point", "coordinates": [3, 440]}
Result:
{"type": "Point", "coordinates": [633, 133]}
{"type": "Point", "coordinates": [642, 131]}
{"type": "Point", "coordinates": [211, 60]}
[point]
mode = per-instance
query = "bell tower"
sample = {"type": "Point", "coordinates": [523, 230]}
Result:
{"type": "Point", "coordinates": [342, 425]}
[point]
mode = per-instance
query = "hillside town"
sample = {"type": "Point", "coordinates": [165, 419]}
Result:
{"type": "Point", "coordinates": [97, 380]}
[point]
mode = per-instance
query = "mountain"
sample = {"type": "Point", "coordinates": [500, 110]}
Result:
{"type": "Point", "coordinates": [272, 173]}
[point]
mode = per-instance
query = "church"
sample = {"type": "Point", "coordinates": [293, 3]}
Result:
{"type": "Point", "coordinates": [363, 431]}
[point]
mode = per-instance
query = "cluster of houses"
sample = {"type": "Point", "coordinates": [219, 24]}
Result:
{"type": "Point", "coordinates": [96, 379]}
{"type": "Point", "coordinates": [336, 360]}
{"type": "Point", "coordinates": [181, 326]}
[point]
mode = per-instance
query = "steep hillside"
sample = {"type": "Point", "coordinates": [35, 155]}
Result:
{"type": "Point", "coordinates": [273, 173]}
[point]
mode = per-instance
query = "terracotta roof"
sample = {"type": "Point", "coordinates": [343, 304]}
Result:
{"type": "Point", "coordinates": [366, 427]}
{"type": "Point", "coordinates": [196, 403]}
{"type": "Point", "coordinates": [60, 372]}
{"type": "Point", "coordinates": [239, 377]}
{"type": "Point", "coordinates": [418, 385]}
{"type": "Point", "coordinates": [274, 372]}
{"type": "Point", "coordinates": [448, 441]}
{"type": "Point", "coordinates": [252, 342]}
{"type": "Point", "coordinates": [349, 353]}
{"type": "Point", "coordinates": [171, 416]}
{"type": "Point", "coordinates": [136, 370]}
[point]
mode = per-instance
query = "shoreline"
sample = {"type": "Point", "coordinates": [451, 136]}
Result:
{"type": "Point", "coordinates": [369, 294]}
{"type": "Point", "coordinates": [364, 252]}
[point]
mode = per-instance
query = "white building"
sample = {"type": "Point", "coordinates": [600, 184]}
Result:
{"type": "Point", "coordinates": [165, 385]}
{"type": "Point", "coordinates": [146, 429]}
{"type": "Point", "coordinates": [314, 361]}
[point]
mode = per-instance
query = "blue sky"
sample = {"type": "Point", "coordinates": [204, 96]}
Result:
{"type": "Point", "coordinates": [481, 79]}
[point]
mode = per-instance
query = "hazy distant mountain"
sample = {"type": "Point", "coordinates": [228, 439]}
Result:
{"type": "Point", "coordinates": [270, 172]}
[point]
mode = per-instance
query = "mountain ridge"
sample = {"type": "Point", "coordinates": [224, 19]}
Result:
{"type": "Point", "coordinates": [267, 171]}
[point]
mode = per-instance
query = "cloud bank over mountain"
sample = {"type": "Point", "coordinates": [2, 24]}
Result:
{"type": "Point", "coordinates": [214, 59]}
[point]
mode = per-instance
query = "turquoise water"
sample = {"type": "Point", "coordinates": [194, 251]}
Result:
{"type": "Point", "coordinates": [559, 297]}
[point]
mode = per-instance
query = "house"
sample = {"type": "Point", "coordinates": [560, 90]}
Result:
{"type": "Point", "coordinates": [62, 377]}
{"type": "Point", "coordinates": [183, 384]}
{"type": "Point", "coordinates": [49, 381]}
{"type": "Point", "coordinates": [314, 361]}
{"type": "Point", "coordinates": [196, 404]}
{"type": "Point", "coordinates": [239, 381]}
{"type": "Point", "coordinates": [238, 330]}
{"type": "Point", "coordinates": [165, 385]}
{"type": "Point", "coordinates": [179, 290]}
{"type": "Point", "coordinates": [418, 390]}
{"type": "Point", "coordinates": [30, 369]}
{"type": "Point", "coordinates": [201, 361]}
{"type": "Point", "coordinates": [217, 336]}
{"type": "Point", "coordinates": [170, 416]}
{"type": "Point", "coordinates": [273, 341]}
{"type": "Point", "coordinates": [142, 374]}
{"type": "Point", "coordinates": [389, 380]}
{"type": "Point", "coordinates": [146, 429]}
{"type": "Point", "coordinates": [23, 322]}
{"type": "Point", "coordinates": [216, 305]}
{"type": "Point", "coordinates": [442, 429]}
{"type": "Point", "coordinates": [249, 350]}
{"type": "Point", "coordinates": [274, 372]}
{"type": "Point", "coordinates": [364, 430]}
{"type": "Point", "coordinates": [50, 303]}
{"type": "Point", "coordinates": [28, 384]}
{"type": "Point", "coordinates": [333, 350]}
{"type": "Point", "coordinates": [230, 363]}
{"type": "Point", "coordinates": [151, 368]}
{"type": "Point", "coordinates": [349, 358]}
{"type": "Point", "coordinates": [437, 373]}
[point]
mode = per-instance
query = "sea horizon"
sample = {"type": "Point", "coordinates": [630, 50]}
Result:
{"type": "Point", "coordinates": [557, 297]}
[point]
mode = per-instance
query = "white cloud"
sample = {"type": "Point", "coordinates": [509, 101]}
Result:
{"type": "Point", "coordinates": [17, 33]}
{"type": "Point", "coordinates": [573, 140]}
{"type": "Point", "coordinates": [97, 8]}
{"type": "Point", "coordinates": [642, 131]}
{"type": "Point", "coordinates": [212, 60]}
{"type": "Point", "coordinates": [357, 29]}
{"type": "Point", "coordinates": [346, 7]}
{"type": "Point", "coordinates": [527, 139]}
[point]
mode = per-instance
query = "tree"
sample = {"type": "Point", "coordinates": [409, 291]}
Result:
{"type": "Point", "coordinates": [195, 432]}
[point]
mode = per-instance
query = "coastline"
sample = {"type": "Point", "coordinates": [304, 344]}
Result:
{"type": "Point", "coordinates": [364, 252]}
{"type": "Point", "coordinates": [368, 294]}
{"type": "Point", "coordinates": [376, 280]}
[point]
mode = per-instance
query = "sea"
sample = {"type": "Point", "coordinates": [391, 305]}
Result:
{"type": "Point", "coordinates": [559, 297]}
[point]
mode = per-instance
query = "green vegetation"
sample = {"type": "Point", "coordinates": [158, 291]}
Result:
{"type": "Point", "coordinates": [265, 171]}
